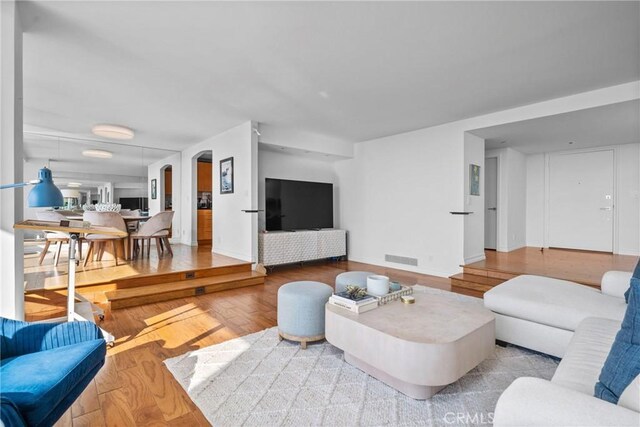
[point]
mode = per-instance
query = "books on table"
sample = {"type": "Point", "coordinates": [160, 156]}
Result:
{"type": "Point", "coordinates": [361, 305]}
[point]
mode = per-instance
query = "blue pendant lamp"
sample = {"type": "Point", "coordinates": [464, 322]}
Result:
{"type": "Point", "coordinates": [45, 194]}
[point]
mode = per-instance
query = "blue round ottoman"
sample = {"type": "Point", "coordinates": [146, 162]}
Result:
{"type": "Point", "coordinates": [358, 278]}
{"type": "Point", "coordinates": [301, 311]}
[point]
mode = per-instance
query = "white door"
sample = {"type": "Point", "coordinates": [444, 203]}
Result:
{"type": "Point", "coordinates": [581, 201]}
{"type": "Point", "coordinates": [490, 202]}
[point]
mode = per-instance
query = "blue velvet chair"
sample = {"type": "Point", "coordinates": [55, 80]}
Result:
{"type": "Point", "coordinates": [44, 367]}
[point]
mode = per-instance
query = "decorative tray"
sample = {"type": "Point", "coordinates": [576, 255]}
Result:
{"type": "Point", "coordinates": [392, 296]}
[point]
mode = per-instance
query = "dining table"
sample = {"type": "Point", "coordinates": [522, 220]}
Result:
{"type": "Point", "coordinates": [127, 219]}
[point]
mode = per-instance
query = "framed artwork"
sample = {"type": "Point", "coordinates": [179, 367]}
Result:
{"type": "Point", "coordinates": [226, 176]}
{"type": "Point", "coordinates": [154, 189]}
{"type": "Point", "coordinates": [474, 180]}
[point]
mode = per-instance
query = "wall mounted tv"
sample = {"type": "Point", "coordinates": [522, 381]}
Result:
{"type": "Point", "coordinates": [298, 205]}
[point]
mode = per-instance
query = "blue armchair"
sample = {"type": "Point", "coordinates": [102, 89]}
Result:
{"type": "Point", "coordinates": [44, 367]}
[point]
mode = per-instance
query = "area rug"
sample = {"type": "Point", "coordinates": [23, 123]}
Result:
{"type": "Point", "coordinates": [258, 380]}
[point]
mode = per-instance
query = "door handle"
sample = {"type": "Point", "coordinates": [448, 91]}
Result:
{"type": "Point", "coordinates": [492, 209]}
{"type": "Point", "coordinates": [606, 209]}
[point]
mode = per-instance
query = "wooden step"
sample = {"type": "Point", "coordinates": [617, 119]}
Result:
{"type": "Point", "coordinates": [155, 279]}
{"type": "Point", "coordinates": [147, 294]}
{"type": "Point", "coordinates": [488, 273]}
{"type": "Point", "coordinates": [474, 282]}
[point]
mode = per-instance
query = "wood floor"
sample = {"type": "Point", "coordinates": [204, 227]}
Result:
{"type": "Point", "coordinates": [47, 276]}
{"type": "Point", "coordinates": [135, 388]}
{"type": "Point", "coordinates": [577, 266]}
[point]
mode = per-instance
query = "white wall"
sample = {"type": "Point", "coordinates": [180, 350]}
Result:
{"type": "Point", "coordinates": [107, 193]}
{"type": "Point", "coordinates": [155, 171]}
{"type": "Point", "coordinates": [235, 233]}
{"type": "Point", "coordinates": [294, 167]}
{"type": "Point", "coordinates": [474, 223]}
{"type": "Point", "coordinates": [627, 199]}
{"type": "Point", "coordinates": [11, 159]}
{"type": "Point", "coordinates": [396, 193]}
{"type": "Point", "coordinates": [29, 172]}
{"type": "Point", "coordinates": [535, 200]}
{"type": "Point", "coordinates": [517, 201]}
{"type": "Point", "coordinates": [129, 192]}
{"type": "Point", "coordinates": [304, 140]}
{"type": "Point", "coordinates": [512, 203]}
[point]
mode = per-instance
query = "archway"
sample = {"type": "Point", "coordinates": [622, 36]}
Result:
{"type": "Point", "coordinates": [202, 197]}
{"type": "Point", "coordinates": [166, 191]}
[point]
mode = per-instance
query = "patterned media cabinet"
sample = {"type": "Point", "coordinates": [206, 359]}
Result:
{"type": "Point", "coordinates": [285, 247]}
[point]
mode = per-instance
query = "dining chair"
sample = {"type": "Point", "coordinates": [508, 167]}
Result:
{"type": "Point", "coordinates": [55, 237]}
{"type": "Point", "coordinates": [105, 219]}
{"type": "Point", "coordinates": [132, 225]}
{"type": "Point", "coordinates": [155, 228]}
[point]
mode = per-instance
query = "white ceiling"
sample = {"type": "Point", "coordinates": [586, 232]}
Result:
{"type": "Point", "coordinates": [179, 72]}
{"type": "Point", "coordinates": [63, 155]}
{"type": "Point", "coordinates": [593, 127]}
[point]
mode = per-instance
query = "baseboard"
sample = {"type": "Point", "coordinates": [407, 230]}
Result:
{"type": "Point", "coordinates": [403, 267]}
{"type": "Point", "coordinates": [475, 258]}
{"type": "Point", "coordinates": [232, 254]}
{"type": "Point", "coordinates": [510, 248]}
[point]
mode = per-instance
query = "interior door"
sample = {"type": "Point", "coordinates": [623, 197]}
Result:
{"type": "Point", "coordinates": [581, 200]}
{"type": "Point", "coordinates": [490, 202]}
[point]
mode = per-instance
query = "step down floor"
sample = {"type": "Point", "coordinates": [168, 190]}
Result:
{"type": "Point", "coordinates": [147, 294]}
{"type": "Point", "coordinates": [475, 282]}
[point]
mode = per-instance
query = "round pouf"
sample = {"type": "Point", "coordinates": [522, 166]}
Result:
{"type": "Point", "coordinates": [358, 278]}
{"type": "Point", "coordinates": [301, 311]}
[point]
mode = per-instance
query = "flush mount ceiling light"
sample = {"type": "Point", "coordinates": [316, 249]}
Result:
{"type": "Point", "coordinates": [74, 184]}
{"type": "Point", "coordinates": [100, 154]}
{"type": "Point", "coordinates": [113, 131]}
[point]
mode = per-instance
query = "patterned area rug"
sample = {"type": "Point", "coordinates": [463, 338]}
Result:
{"type": "Point", "coordinates": [259, 380]}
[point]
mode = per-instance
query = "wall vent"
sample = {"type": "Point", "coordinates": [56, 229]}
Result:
{"type": "Point", "coordinates": [199, 290]}
{"type": "Point", "coordinates": [401, 260]}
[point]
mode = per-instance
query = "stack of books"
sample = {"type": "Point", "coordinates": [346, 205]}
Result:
{"type": "Point", "coordinates": [361, 305]}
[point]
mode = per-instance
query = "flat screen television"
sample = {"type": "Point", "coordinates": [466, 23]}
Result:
{"type": "Point", "coordinates": [134, 203]}
{"type": "Point", "coordinates": [298, 205]}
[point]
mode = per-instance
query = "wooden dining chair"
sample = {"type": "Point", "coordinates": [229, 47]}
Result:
{"type": "Point", "coordinates": [97, 241]}
{"type": "Point", "coordinates": [55, 237]}
{"type": "Point", "coordinates": [155, 228]}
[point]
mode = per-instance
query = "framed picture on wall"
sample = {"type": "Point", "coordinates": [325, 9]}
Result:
{"type": "Point", "coordinates": [154, 189]}
{"type": "Point", "coordinates": [474, 180]}
{"type": "Point", "coordinates": [226, 176]}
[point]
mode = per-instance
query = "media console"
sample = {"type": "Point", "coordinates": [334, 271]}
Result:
{"type": "Point", "coordinates": [285, 247]}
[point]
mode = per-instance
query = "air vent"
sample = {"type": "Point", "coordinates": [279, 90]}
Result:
{"type": "Point", "coordinates": [200, 290]}
{"type": "Point", "coordinates": [190, 275]}
{"type": "Point", "coordinates": [401, 260]}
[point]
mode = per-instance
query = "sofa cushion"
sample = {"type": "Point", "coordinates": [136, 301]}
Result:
{"type": "Point", "coordinates": [586, 353]}
{"type": "Point", "coordinates": [623, 363]}
{"type": "Point", "coordinates": [634, 278]}
{"type": "Point", "coordinates": [10, 414]}
{"type": "Point", "coordinates": [630, 397]}
{"type": "Point", "coordinates": [552, 302]}
{"type": "Point", "coordinates": [38, 382]}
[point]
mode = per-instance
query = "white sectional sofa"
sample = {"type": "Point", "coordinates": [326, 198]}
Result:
{"type": "Point", "coordinates": [567, 400]}
{"type": "Point", "coordinates": [541, 313]}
